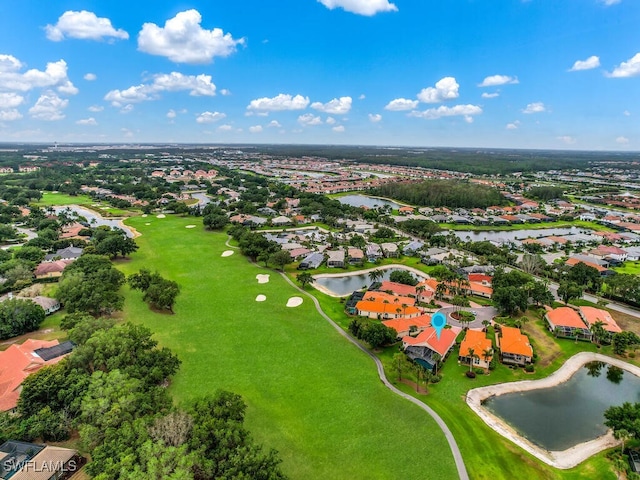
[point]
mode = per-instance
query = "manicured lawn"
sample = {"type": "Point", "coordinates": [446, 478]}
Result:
{"type": "Point", "coordinates": [488, 455]}
{"type": "Point", "coordinates": [527, 226]}
{"type": "Point", "coordinates": [310, 394]}
{"type": "Point", "coordinates": [631, 268]}
{"type": "Point", "coordinates": [61, 199]}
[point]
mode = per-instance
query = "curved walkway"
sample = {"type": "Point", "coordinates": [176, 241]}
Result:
{"type": "Point", "coordinates": [457, 456]}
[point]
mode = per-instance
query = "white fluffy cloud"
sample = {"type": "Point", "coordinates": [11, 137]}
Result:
{"type": "Point", "coordinates": [95, 108]}
{"type": "Point", "coordinates": [10, 115]}
{"type": "Point", "coordinates": [445, 89]}
{"type": "Point", "coordinates": [536, 107]}
{"type": "Point", "coordinates": [171, 113]}
{"type": "Point", "coordinates": [183, 40]}
{"type": "Point", "coordinates": [338, 129]}
{"type": "Point", "coordinates": [279, 103]}
{"type": "Point", "coordinates": [361, 7]}
{"type": "Point", "coordinates": [309, 119]}
{"type": "Point", "coordinates": [401, 104]}
{"type": "Point", "coordinates": [588, 64]}
{"type": "Point", "coordinates": [88, 121]}
{"type": "Point", "coordinates": [375, 117]}
{"type": "Point", "coordinates": [10, 100]}
{"type": "Point", "coordinates": [197, 85]}
{"type": "Point", "coordinates": [567, 139]}
{"type": "Point", "coordinates": [49, 107]}
{"type": "Point", "coordinates": [513, 125]}
{"type": "Point", "coordinates": [337, 106]}
{"type": "Point", "coordinates": [274, 124]}
{"type": "Point", "coordinates": [497, 80]}
{"type": "Point", "coordinates": [54, 76]}
{"type": "Point", "coordinates": [83, 25]}
{"type": "Point", "coordinates": [630, 68]}
{"type": "Point", "coordinates": [458, 110]}
{"type": "Point", "coordinates": [490, 95]}
{"type": "Point", "coordinates": [330, 121]}
{"type": "Point", "coordinates": [255, 129]}
{"type": "Point", "coordinates": [225, 128]}
{"type": "Point", "coordinates": [210, 117]}
{"type": "Point", "coordinates": [622, 140]}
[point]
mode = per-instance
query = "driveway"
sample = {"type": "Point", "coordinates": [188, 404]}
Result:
{"type": "Point", "coordinates": [482, 313]}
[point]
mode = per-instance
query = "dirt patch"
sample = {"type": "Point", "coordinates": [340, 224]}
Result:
{"type": "Point", "coordinates": [421, 390]}
{"type": "Point", "coordinates": [626, 322]}
{"type": "Point", "coordinates": [543, 344]}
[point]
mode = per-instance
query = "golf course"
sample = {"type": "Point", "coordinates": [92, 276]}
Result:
{"type": "Point", "coordinates": [311, 394]}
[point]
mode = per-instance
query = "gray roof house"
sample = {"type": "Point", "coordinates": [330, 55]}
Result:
{"type": "Point", "coordinates": [336, 258]}
{"type": "Point", "coordinates": [69, 253]}
{"type": "Point", "coordinates": [374, 252]}
{"type": "Point", "coordinates": [412, 247]}
{"type": "Point", "coordinates": [314, 260]}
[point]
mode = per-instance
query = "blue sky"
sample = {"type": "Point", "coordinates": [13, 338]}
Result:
{"type": "Point", "coordinates": [462, 73]}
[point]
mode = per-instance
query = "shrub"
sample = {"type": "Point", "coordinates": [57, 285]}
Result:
{"type": "Point", "coordinates": [478, 371]}
{"type": "Point", "coordinates": [529, 368]}
{"type": "Point", "coordinates": [493, 363]}
{"type": "Point", "coordinates": [470, 375]}
{"type": "Point", "coordinates": [436, 378]}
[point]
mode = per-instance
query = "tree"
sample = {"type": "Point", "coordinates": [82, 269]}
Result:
{"type": "Point", "coordinates": [162, 294]}
{"type": "Point", "coordinates": [399, 363]}
{"type": "Point", "coordinates": [623, 341]}
{"type": "Point", "coordinates": [280, 259]}
{"type": "Point", "coordinates": [375, 275]}
{"type": "Point", "coordinates": [540, 294]}
{"type": "Point", "coordinates": [624, 417]}
{"type": "Point", "coordinates": [436, 357]}
{"type": "Point", "coordinates": [532, 264]}
{"type": "Point", "coordinates": [623, 435]}
{"type": "Point", "coordinates": [215, 221]}
{"type": "Point", "coordinates": [7, 232]}
{"type": "Point", "coordinates": [583, 274]}
{"type": "Point", "coordinates": [305, 278]}
{"type": "Point", "coordinates": [377, 335]}
{"type": "Point", "coordinates": [568, 290]}
{"type": "Point", "coordinates": [417, 370]}
{"type": "Point", "coordinates": [19, 316]}
{"type": "Point", "coordinates": [116, 244]}
{"type": "Point", "coordinates": [598, 331]}
{"type": "Point", "coordinates": [402, 276]}
{"type": "Point", "coordinates": [471, 354]}
{"type": "Point", "coordinates": [509, 300]}
{"type": "Point", "coordinates": [30, 254]}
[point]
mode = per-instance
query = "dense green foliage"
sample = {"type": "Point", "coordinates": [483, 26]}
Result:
{"type": "Point", "coordinates": [512, 291]}
{"type": "Point", "coordinates": [91, 284]}
{"type": "Point", "coordinates": [402, 276]}
{"type": "Point", "coordinates": [19, 316]}
{"type": "Point", "coordinates": [374, 333]}
{"type": "Point", "coordinates": [442, 193]}
{"type": "Point", "coordinates": [546, 193]}
{"type": "Point", "coordinates": [159, 292]}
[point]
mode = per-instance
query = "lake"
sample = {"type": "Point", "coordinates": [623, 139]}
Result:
{"type": "Point", "coordinates": [347, 284]}
{"type": "Point", "coordinates": [93, 218]}
{"type": "Point", "coordinates": [366, 201]}
{"type": "Point", "coordinates": [565, 415]}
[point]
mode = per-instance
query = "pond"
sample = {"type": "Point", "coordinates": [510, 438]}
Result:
{"type": "Point", "coordinates": [94, 219]}
{"type": "Point", "coordinates": [570, 413]}
{"type": "Point", "coordinates": [346, 284]}
{"type": "Point", "coordinates": [511, 235]}
{"type": "Point", "coordinates": [365, 201]}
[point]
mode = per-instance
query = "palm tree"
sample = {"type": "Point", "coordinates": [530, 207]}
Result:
{"type": "Point", "coordinates": [623, 435]}
{"type": "Point", "coordinates": [399, 361]}
{"type": "Point", "coordinates": [472, 355]}
{"type": "Point", "coordinates": [417, 369]}
{"type": "Point", "coordinates": [598, 332]}
{"type": "Point", "coordinates": [375, 275]}
{"type": "Point", "coordinates": [420, 290]}
{"type": "Point", "coordinates": [519, 323]}
{"type": "Point", "coordinates": [436, 357]}
{"type": "Point", "coordinates": [485, 324]}
{"type": "Point", "coordinates": [487, 353]}
{"type": "Point", "coordinates": [441, 290]}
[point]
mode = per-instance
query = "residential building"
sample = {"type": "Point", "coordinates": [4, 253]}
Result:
{"type": "Point", "coordinates": [335, 258]}
{"type": "Point", "coordinates": [422, 349]}
{"type": "Point", "coordinates": [477, 342]}
{"type": "Point", "coordinates": [373, 252]}
{"type": "Point", "coordinates": [408, 326]}
{"type": "Point", "coordinates": [390, 250]}
{"type": "Point", "coordinates": [30, 461]}
{"type": "Point", "coordinates": [356, 256]}
{"type": "Point", "coordinates": [311, 261]}
{"type": "Point", "coordinates": [386, 310]}
{"type": "Point", "coordinates": [593, 315]}
{"type": "Point", "coordinates": [566, 322]}
{"type": "Point", "coordinates": [399, 289]}
{"type": "Point", "coordinates": [69, 253]}
{"type": "Point", "coordinates": [514, 347]}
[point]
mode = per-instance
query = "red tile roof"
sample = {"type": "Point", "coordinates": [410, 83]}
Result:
{"type": "Point", "coordinates": [592, 315]}
{"type": "Point", "coordinates": [398, 289]}
{"type": "Point", "coordinates": [429, 338]}
{"type": "Point", "coordinates": [476, 340]}
{"type": "Point", "coordinates": [404, 324]}
{"type": "Point", "coordinates": [565, 317]}
{"type": "Point", "coordinates": [514, 342]}
{"type": "Point", "coordinates": [16, 363]}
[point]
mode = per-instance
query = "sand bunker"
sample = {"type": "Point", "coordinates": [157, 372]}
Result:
{"type": "Point", "coordinates": [147, 224]}
{"type": "Point", "coordinates": [227, 253]}
{"type": "Point", "coordinates": [190, 226]}
{"type": "Point", "coordinates": [162, 215]}
{"type": "Point", "coordinates": [144, 215]}
{"type": "Point", "coordinates": [262, 278]}
{"type": "Point", "coordinates": [294, 302]}
{"type": "Point", "coordinates": [260, 298]}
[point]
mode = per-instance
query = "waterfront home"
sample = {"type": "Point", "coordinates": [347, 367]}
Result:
{"type": "Point", "coordinates": [593, 315]}
{"type": "Point", "coordinates": [477, 342]}
{"type": "Point", "coordinates": [374, 252]}
{"type": "Point", "coordinates": [311, 261]}
{"type": "Point", "coordinates": [566, 322]}
{"type": "Point", "coordinates": [422, 348]}
{"type": "Point", "coordinates": [514, 347]}
{"type": "Point", "coordinates": [356, 256]}
{"type": "Point", "coordinates": [385, 310]}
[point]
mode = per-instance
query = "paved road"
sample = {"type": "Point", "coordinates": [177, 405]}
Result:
{"type": "Point", "coordinates": [482, 313]}
{"type": "Point", "coordinates": [457, 456]}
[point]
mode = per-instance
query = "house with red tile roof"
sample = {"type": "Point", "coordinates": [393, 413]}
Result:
{"type": "Point", "coordinates": [514, 347]}
{"type": "Point", "coordinates": [386, 310]}
{"type": "Point", "coordinates": [423, 347]}
{"type": "Point", "coordinates": [18, 362]}
{"type": "Point", "coordinates": [593, 315]}
{"type": "Point", "coordinates": [566, 322]}
{"type": "Point", "coordinates": [482, 347]}
{"type": "Point", "coordinates": [399, 289]}
{"type": "Point", "coordinates": [406, 326]}
{"type": "Point", "coordinates": [51, 269]}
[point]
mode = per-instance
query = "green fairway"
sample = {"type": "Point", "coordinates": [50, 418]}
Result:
{"type": "Point", "coordinates": [630, 268]}
{"type": "Point", "coordinates": [311, 395]}
{"type": "Point", "coordinates": [61, 199]}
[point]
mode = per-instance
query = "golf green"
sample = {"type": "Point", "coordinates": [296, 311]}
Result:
{"type": "Point", "coordinates": [311, 395]}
